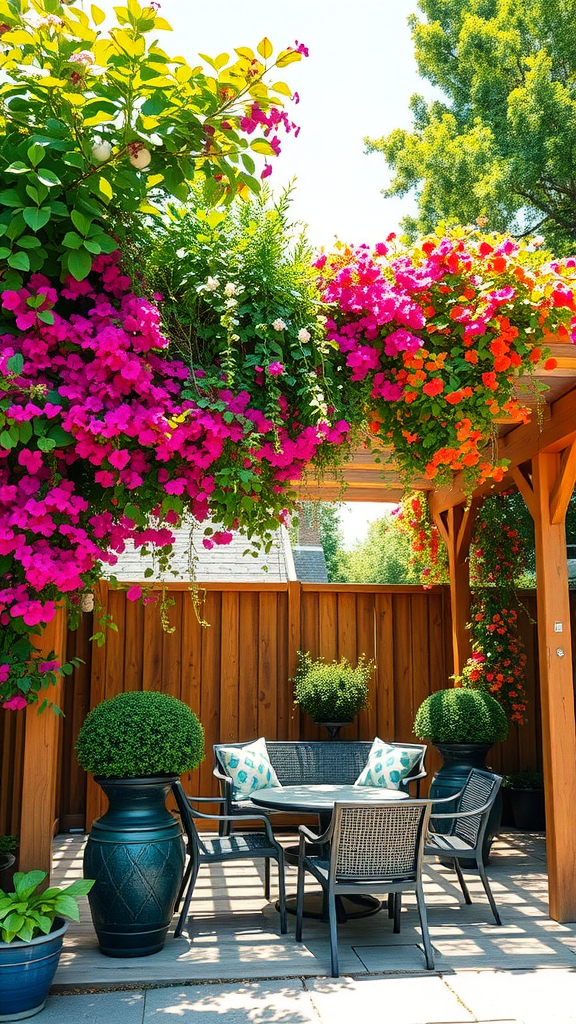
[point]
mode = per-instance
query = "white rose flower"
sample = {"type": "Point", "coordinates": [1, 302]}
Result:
{"type": "Point", "coordinates": [212, 283]}
{"type": "Point", "coordinates": [35, 20]}
{"type": "Point", "coordinates": [279, 325]}
{"type": "Point", "coordinates": [84, 57]}
{"type": "Point", "coordinates": [101, 151]}
{"type": "Point", "coordinates": [230, 289]}
{"type": "Point", "coordinates": [304, 335]}
{"type": "Point", "coordinates": [139, 157]}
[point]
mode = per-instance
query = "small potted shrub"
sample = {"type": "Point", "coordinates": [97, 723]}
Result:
{"type": "Point", "coordinates": [32, 927]}
{"type": "Point", "coordinates": [332, 693]}
{"type": "Point", "coordinates": [137, 744]}
{"type": "Point", "coordinates": [463, 724]}
{"type": "Point", "coordinates": [526, 791]}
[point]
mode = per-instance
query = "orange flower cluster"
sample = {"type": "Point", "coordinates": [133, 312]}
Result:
{"type": "Point", "coordinates": [437, 336]}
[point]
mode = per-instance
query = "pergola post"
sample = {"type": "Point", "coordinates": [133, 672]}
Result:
{"type": "Point", "coordinates": [547, 497]}
{"type": "Point", "coordinates": [455, 526]}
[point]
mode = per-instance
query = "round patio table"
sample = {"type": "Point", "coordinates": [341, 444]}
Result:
{"type": "Point", "coordinates": [320, 800]}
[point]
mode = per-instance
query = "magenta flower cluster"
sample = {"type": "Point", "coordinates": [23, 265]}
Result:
{"type": "Point", "coordinates": [103, 443]}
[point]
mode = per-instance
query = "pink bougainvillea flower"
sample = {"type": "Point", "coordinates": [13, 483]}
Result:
{"type": "Point", "coordinates": [275, 369]}
{"type": "Point", "coordinates": [134, 593]}
{"type": "Point", "coordinates": [15, 703]}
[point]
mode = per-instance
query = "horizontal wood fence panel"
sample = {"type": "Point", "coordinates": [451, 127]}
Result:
{"type": "Point", "coordinates": [235, 673]}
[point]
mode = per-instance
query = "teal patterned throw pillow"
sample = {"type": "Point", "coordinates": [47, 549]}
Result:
{"type": "Point", "coordinates": [387, 765]}
{"type": "Point", "coordinates": [249, 768]}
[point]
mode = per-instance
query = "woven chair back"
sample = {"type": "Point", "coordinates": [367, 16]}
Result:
{"type": "Point", "coordinates": [481, 788]}
{"type": "Point", "coordinates": [378, 842]}
{"type": "Point", "coordinates": [320, 762]}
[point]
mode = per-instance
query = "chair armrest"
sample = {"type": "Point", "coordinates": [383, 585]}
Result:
{"type": "Point", "coordinates": [447, 799]}
{"type": "Point", "coordinates": [306, 836]}
{"type": "Point", "coordinates": [236, 818]}
{"type": "Point", "coordinates": [465, 814]}
{"type": "Point", "coordinates": [206, 799]}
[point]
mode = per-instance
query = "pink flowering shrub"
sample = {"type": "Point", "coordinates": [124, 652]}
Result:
{"type": "Point", "coordinates": [436, 337]}
{"type": "Point", "coordinates": [104, 439]}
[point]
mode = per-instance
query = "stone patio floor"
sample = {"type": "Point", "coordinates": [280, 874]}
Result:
{"type": "Point", "coordinates": [233, 932]}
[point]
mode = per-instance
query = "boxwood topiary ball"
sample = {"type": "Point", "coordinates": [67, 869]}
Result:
{"type": "Point", "coordinates": [140, 733]}
{"type": "Point", "coordinates": [461, 716]}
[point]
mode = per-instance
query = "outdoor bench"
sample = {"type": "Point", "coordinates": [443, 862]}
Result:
{"type": "Point", "coordinates": [313, 762]}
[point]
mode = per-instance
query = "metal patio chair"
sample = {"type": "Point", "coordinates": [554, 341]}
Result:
{"type": "Point", "coordinates": [465, 837]}
{"type": "Point", "coordinates": [374, 848]}
{"type": "Point", "coordinates": [247, 845]}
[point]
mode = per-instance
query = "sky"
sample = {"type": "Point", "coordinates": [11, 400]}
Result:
{"type": "Point", "coordinates": [356, 82]}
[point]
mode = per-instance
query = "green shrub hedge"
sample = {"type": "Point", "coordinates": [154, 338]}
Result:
{"type": "Point", "coordinates": [138, 734]}
{"type": "Point", "coordinates": [331, 691]}
{"type": "Point", "coordinates": [461, 716]}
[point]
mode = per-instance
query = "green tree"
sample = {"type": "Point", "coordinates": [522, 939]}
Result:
{"type": "Point", "coordinates": [501, 139]}
{"type": "Point", "coordinates": [384, 557]}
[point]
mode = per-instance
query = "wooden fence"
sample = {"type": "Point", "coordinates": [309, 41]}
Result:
{"type": "Point", "coordinates": [235, 673]}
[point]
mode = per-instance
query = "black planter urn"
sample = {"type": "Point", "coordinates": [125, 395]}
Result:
{"type": "Point", "coordinates": [459, 759]}
{"type": "Point", "coordinates": [528, 809]}
{"type": "Point", "coordinates": [135, 852]}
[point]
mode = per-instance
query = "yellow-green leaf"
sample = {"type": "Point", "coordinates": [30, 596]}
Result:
{"type": "Point", "coordinates": [99, 118]}
{"type": "Point", "coordinates": [262, 146]}
{"type": "Point", "coordinates": [98, 16]}
{"type": "Point", "coordinates": [105, 188]}
{"type": "Point", "coordinates": [221, 60]}
{"type": "Point", "coordinates": [17, 37]}
{"type": "Point", "coordinates": [245, 51]}
{"type": "Point", "coordinates": [163, 25]}
{"type": "Point", "coordinates": [154, 179]}
{"type": "Point", "coordinates": [287, 57]}
{"type": "Point", "coordinates": [282, 88]}
{"type": "Point", "coordinates": [183, 74]}
{"type": "Point", "coordinates": [265, 48]}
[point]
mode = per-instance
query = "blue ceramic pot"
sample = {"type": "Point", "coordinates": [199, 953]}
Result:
{"type": "Point", "coordinates": [26, 972]}
{"type": "Point", "coordinates": [459, 759]}
{"type": "Point", "coordinates": [135, 853]}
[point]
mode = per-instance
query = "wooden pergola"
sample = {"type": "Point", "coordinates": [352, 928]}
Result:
{"type": "Point", "coordinates": [542, 465]}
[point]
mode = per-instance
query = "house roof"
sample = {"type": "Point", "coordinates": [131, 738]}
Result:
{"type": "Point", "coordinates": [237, 562]}
{"type": "Point", "coordinates": [309, 563]}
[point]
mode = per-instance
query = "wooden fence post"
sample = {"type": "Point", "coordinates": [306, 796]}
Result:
{"type": "Point", "coordinates": [40, 772]}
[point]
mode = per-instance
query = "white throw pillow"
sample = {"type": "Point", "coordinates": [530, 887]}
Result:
{"type": "Point", "coordinates": [249, 768]}
{"type": "Point", "coordinates": [387, 765]}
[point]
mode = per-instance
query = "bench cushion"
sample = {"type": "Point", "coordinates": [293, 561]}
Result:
{"type": "Point", "coordinates": [387, 765]}
{"type": "Point", "coordinates": [249, 768]}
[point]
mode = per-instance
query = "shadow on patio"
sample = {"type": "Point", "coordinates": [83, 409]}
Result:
{"type": "Point", "coordinates": [233, 933]}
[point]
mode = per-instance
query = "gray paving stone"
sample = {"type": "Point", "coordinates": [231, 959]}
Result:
{"type": "Point", "coordinates": [95, 1008]}
{"type": "Point", "coordinates": [272, 1002]}
{"type": "Point", "coordinates": [414, 1000]}
{"type": "Point", "coordinates": [531, 997]}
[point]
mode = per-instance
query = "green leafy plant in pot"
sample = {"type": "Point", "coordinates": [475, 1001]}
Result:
{"type": "Point", "coordinates": [137, 744]}
{"type": "Point", "coordinates": [32, 926]}
{"type": "Point", "coordinates": [463, 724]}
{"type": "Point", "coordinates": [526, 794]}
{"type": "Point", "coordinates": [332, 693]}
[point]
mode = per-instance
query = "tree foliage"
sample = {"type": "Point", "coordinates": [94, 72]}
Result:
{"type": "Point", "coordinates": [384, 557]}
{"type": "Point", "coordinates": [501, 139]}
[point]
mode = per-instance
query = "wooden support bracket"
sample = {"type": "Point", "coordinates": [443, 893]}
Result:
{"type": "Point", "coordinates": [524, 485]}
{"type": "Point", "coordinates": [564, 485]}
